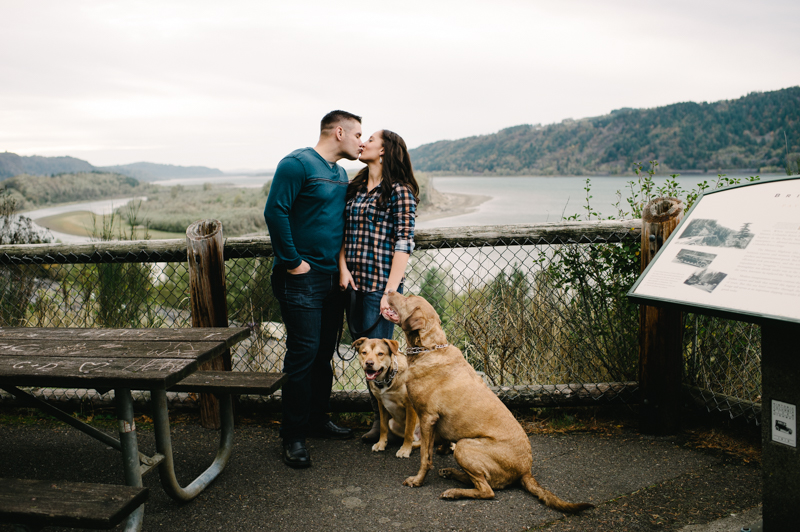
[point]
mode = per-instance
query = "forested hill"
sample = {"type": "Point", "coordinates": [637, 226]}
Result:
{"type": "Point", "coordinates": [152, 171]}
{"type": "Point", "coordinates": [746, 133]}
{"type": "Point", "coordinates": [12, 164]}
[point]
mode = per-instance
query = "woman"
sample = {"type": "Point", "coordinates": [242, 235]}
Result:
{"type": "Point", "coordinates": [379, 237]}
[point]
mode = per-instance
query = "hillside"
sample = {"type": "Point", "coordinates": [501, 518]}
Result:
{"type": "Point", "coordinates": [12, 165]}
{"type": "Point", "coordinates": [154, 172]}
{"type": "Point", "coordinates": [31, 191]}
{"type": "Point", "coordinates": [746, 133]}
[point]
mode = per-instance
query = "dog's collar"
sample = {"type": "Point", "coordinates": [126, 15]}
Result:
{"type": "Point", "coordinates": [418, 350]}
{"type": "Point", "coordinates": [388, 381]}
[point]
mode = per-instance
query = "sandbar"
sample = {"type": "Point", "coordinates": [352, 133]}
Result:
{"type": "Point", "coordinates": [447, 205]}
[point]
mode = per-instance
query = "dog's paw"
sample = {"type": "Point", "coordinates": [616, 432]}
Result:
{"type": "Point", "coordinates": [380, 446]}
{"type": "Point", "coordinates": [451, 494]}
{"type": "Point", "coordinates": [446, 472]}
{"type": "Point", "coordinates": [412, 482]}
{"type": "Point", "coordinates": [404, 452]}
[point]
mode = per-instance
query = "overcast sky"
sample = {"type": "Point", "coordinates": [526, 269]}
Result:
{"type": "Point", "coordinates": [239, 84]}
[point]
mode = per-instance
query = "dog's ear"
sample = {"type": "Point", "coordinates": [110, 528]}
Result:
{"type": "Point", "coordinates": [416, 320]}
{"type": "Point", "coordinates": [394, 346]}
{"type": "Point", "coordinates": [358, 342]}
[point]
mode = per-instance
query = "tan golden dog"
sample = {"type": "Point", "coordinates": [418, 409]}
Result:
{"type": "Point", "coordinates": [386, 370]}
{"type": "Point", "coordinates": [453, 403]}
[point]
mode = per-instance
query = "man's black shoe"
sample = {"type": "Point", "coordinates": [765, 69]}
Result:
{"type": "Point", "coordinates": [331, 431]}
{"type": "Point", "coordinates": [296, 455]}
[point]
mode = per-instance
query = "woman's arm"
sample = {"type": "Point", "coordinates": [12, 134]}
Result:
{"type": "Point", "coordinates": [345, 277]}
{"type": "Point", "coordinates": [403, 211]}
{"type": "Point", "coordinates": [399, 263]}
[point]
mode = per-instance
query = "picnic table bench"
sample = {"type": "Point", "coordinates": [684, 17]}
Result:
{"type": "Point", "coordinates": [123, 360]}
{"type": "Point", "coordinates": [33, 504]}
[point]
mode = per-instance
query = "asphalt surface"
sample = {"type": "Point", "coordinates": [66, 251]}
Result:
{"type": "Point", "coordinates": [636, 482]}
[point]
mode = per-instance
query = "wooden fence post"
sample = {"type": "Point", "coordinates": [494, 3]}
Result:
{"type": "Point", "coordinates": [660, 332]}
{"type": "Point", "coordinates": [207, 292]}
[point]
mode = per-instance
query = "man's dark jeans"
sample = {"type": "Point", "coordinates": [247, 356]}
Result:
{"type": "Point", "coordinates": [312, 312]}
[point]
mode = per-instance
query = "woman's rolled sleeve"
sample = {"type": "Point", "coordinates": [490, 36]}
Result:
{"type": "Point", "coordinates": [404, 209]}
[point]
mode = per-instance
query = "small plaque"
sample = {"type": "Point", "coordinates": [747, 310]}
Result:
{"type": "Point", "coordinates": [784, 423]}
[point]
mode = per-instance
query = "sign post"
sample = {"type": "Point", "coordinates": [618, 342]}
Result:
{"type": "Point", "coordinates": [736, 255]}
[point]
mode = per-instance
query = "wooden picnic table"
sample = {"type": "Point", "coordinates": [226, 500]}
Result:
{"type": "Point", "coordinates": [122, 360]}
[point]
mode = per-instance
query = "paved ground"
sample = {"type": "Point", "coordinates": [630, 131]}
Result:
{"type": "Point", "coordinates": [638, 483]}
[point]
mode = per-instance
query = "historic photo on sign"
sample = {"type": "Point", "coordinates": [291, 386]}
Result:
{"type": "Point", "coordinates": [705, 280]}
{"type": "Point", "coordinates": [705, 232]}
{"type": "Point", "coordinates": [694, 258]}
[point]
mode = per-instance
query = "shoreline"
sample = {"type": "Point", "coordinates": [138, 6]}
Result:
{"type": "Point", "coordinates": [448, 205]}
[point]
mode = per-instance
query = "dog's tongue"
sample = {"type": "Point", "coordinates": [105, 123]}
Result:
{"type": "Point", "coordinates": [371, 375]}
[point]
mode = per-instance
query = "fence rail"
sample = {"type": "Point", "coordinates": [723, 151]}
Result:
{"type": "Point", "coordinates": [539, 310]}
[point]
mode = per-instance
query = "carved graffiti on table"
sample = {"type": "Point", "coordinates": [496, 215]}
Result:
{"type": "Point", "coordinates": [15, 348]}
{"type": "Point", "coordinates": [88, 367]}
{"type": "Point", "coordinates": [36, 366]}
{"type": "Point", "coordinates": [156, 365]}
{"type": "Point", "coordinates": [142, 349]}
{"type": "Point", "coordinates": [139, 365]}
{"type": "Point", "coordinates": [145, 334]}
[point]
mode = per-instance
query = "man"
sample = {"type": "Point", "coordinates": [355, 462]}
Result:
{"type": "Point", "coordinates": [305, 219]}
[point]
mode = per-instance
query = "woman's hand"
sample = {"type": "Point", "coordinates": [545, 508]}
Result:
{"type": "Point", "coordinates": [385, 304]}
{"type": "Point", "coordinates": [345, 279]}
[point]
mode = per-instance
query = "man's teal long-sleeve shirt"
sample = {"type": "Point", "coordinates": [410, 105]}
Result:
{"type": "Point", "coordinates": [305, 211]}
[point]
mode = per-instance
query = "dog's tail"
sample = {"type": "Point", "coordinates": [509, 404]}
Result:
{"type": "Point", "coordinates": [550, 499]}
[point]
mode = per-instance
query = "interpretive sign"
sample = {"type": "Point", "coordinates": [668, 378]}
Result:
{"type": "Point", "coordinates": [735, 254]}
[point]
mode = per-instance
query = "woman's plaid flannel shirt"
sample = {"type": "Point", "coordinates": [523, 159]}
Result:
{"type": "Point", "coordinates": [372, 235]}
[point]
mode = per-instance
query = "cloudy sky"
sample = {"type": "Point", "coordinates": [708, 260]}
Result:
{"type": "Point", "coordinates": [238, 84]}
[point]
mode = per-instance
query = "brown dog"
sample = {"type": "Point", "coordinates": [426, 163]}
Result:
{"type": "Point", "coordinates": [453, 403]}
{"type": "Point", "coordinates": [386, 370]}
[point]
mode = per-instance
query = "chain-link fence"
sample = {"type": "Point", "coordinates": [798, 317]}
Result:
{"type": "Point", "coordinates": [538, 310]}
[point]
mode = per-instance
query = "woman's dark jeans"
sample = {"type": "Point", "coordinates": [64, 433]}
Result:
{"type": "Point", "coordinates": [312, 312]}
{"type": "Point", "coordinates": [366, 310]}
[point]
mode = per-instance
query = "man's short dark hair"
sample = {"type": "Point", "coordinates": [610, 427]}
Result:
{"type": "Point", "coordinates": [334, 117]}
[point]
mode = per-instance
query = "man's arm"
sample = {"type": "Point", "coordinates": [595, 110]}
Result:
{"type": "Point", "coordinates": [286, 185]}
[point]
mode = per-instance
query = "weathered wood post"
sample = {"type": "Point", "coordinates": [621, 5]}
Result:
{"type": "Point", "coordinates": [660, 331]}
{"type": "Point", "coordinates": [205, 246]}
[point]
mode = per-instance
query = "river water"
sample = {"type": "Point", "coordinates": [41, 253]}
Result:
{"type": "Point", "coordinates": [525, 200]}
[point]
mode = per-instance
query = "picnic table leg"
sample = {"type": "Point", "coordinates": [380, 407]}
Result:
{"type": "Point", "coordinates": [130, 452]}
{"type": "Point", "coordinates": [164, 447]}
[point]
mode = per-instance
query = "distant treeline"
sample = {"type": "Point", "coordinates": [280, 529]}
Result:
{"type": "Point", "coordinates": [12, 165]}
{"type": "Point", "coordinates": [152, 171]}
{"type": "Point", "coordinates": [30, 191]}
{"type": "Point", "coordinates": [758, 132]}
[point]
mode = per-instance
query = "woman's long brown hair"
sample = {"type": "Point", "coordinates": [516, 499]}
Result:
{"type": "Point", "coordinates": [396, 168]}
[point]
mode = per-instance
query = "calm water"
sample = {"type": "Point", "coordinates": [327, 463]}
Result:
{"type": "Point", "coordinates": [516, 200]}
